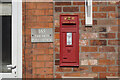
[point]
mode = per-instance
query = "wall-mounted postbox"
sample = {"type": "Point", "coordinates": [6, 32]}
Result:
{"type": "Point", "coordinates": [69, 40]}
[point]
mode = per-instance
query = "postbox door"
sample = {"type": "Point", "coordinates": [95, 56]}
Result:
{"type": "Point", "coordinates": [69, 50]}
{"type": "Point", "coordinates": [69, 40]}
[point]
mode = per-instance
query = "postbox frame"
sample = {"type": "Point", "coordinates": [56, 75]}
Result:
{"type": "Point", "coordinates": [76, 64]}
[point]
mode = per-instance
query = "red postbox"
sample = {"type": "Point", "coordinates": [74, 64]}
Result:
{"type": "Point", "coordinates": [69, 40]}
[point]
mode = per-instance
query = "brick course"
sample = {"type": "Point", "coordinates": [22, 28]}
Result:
{"type": "Point", "coordinates": [38, 57]}
{"type": "Point", "coordinates": [98, 50]}
{"type": "Point", "coordinates": [98, 45]}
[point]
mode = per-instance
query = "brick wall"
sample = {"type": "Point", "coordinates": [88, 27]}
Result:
{"type": "Point", "coordinates": [37, 57]}
{"type": "Point", "coordinates": [98, 45]}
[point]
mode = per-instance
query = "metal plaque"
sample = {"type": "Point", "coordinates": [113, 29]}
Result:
{"type": "Point", "coordinates": [42, 35]}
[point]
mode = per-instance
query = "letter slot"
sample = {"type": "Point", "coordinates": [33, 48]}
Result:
{"type": "Point", "coordinates": [69, 40]}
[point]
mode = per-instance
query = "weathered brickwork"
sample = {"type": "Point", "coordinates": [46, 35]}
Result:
{"type": "Point", "coordinates": [37, 57]}
{"type": "Point", "coordinates": [98, 45]}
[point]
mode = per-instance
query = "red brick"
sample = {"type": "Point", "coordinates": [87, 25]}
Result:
{"type": "Point", "coordinates": [38, 51]}
{"type": "Point", "coordinates": [57, 62]}
{"type": "Point", "coordinates": [44, 5]}
{"type": "Point", "coordinates": [114, 42]}
{"type": "Point", "coordinates": [81, 15]}
{"type": "Point", "coordinates": [56, 16]}
{"type": "Point", "coordinates": [88, 49]}
{"type": "Point", "coordinates": [28, 76]}
{"type": "Point", "coordinates": [113, 3]}
{"type": "Point", "coordinates": [80, 74]}
{"type": "Point", "coordinates": [56, 23]}
{"type": "Point", "coordinates": [99, 15]}
{"type": "Point", "coordinates": [112, 56]}
{"type": "Point", "coordinates": [36, 76]}
{"type": "Point", "coordinates": [113, 68]}
{"type": "Point", "coordinates": [50, 51]}
{"type": "Point", "coordinates": [107, 8]}
{"type": "Point", "coordinates": [48, 64]}
{"type": "Point", "coordinates": [57, 49]}
{"type": "Point", "coordinates": [118, 49]}
{"type": "Point", "coordinates": [70, 9]}
{"type": "Point", "coordinates": [82, 9]}
{"type": "Point", "coordinates": [43, 45]}
{"type": "Point", "coordinates": [34, 57]}
{"type": "Point", "coordinates": [41, 57]}
{"type": "Point", "coordinates": [28, 51]}
{"type": "Point", "coordinates": [28, 31]}
{"type": "Point", "coordinates": [118, 35]}
{"type": "Point", "coordinates": [58, 9]}
{"type": "Point", "coordinates": [103, 75]}
{"type": "Point", "coordinates": [107, 35]}
{"type": "Point", "coordinates": [99, 69]}
{"type": "Point", "coordinates": [89, 62]}
{"type": "Point", "coordinates": [62, 69]}
{"type": "Point", "coordinates": [28, 45]}
{"type": "Point", "coordinates": [44, 71]}
{"type": "Point", "coordinates": [50, 25]}
{"type": "Point", "coordinates": [107, 49]}
{"type": "Point", "coordinates": [83, 42]}
{"type": "Point", "coordinates": [42, 76]}
{"type": "Point", "coordinates": [57, 29]}
{"type": "Point", "coordinates": [38, 64]}
{"type": "Point", "coordinates": [31, 19]}
{"type": "Point", "coordinates": [57, 36]}
{"type": "Point", "coordinates": [62, 3]}
{"type": "Point", "coordinates": [99, 3]}
{"type": "Point", "coordinates": [106, 62]}
{"type": "Point", "coordinates": [29, 58]}
{"type": "Point", "coordinates": [98, 42]}
{"type": "Point", "coordinates": [112, 29]}
{"type": "Point", "coordinates": [49, 70]}
{"type": "Point", "coordinates": [112, 15]}
{"type": "Point", "coordinates": [83, 56]}
{"type": "Point", "coordinates": [39, 12]}
{"type": "Point", "coordinates": [44, 18]}
{"type": "Point", "coordinates": [95, 8]}
{"type": "Point", "coordinates": [98, 55]}
{"type": "Point", "coordinates": [84, 68]}
{"type": "Point", "coordinates": [57, 43]}
{"type": "Point", "coordinates": [118, 62]}
{"type": "Point", "coordinates": [57, 56]}
{"type": "Point", "coordinates": [72, 74]}
{"type": "Point", "coordinates": [78, 3]}
{"type": "Point", "coordinates": [49, 76]}
{"type": "Point", "coordinates": [39, 25]}
{"type": "Point", "coordinates": [89, 35]}
{"type": "Point", "coordinates": [30, 5]}
{"type": "Point", "coordinates": [45, 57]}
{"type": "Point", "coordinates": [58, 75]}
{"type": "Point", "coordinates": [107, 22]}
